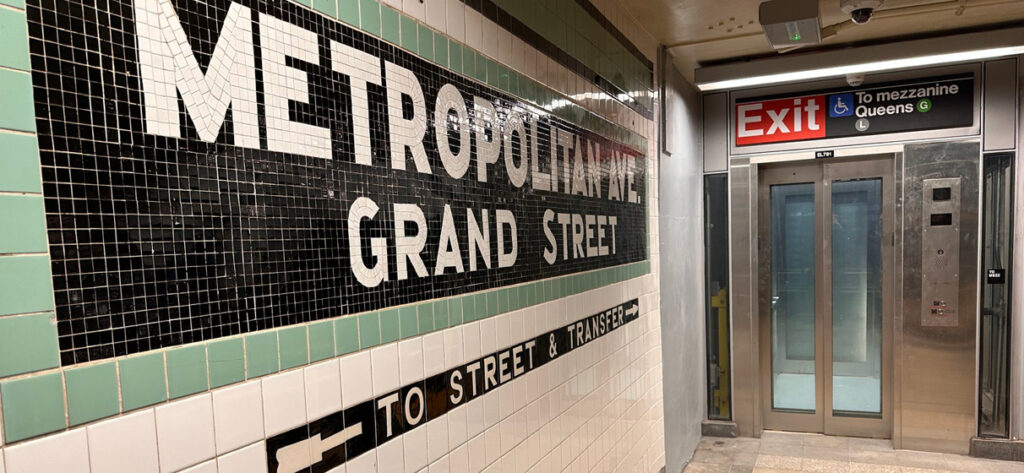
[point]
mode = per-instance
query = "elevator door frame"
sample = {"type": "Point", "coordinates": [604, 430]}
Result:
{"type": "Point", "coordinates": [821, 174]}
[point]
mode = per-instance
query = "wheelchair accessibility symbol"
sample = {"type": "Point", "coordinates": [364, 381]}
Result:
{"type": "Point", "coordinates": [840, 105]}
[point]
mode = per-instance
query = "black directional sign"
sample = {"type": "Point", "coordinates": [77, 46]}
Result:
{"type": "Point", "coordinates": [330, 441]}
{"type": "Point", "coordinates": [924, 104]}
{"type": "Point", "coordinates": [892, 107]}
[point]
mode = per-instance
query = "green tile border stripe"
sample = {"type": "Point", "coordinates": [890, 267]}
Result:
{"type": "Point", "coordinates": [144, 379]}
{"type": "Point", "coordinates": [33, 386]}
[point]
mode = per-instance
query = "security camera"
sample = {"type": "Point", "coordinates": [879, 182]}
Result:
{"type": "Point", "coordinates": [854, 79]}
{"type": "Point", "coordinates": [860, 11]}
{"type": "Point", "coordinates": [861, 15]}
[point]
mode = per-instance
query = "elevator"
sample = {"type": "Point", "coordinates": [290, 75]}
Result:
{"type": "Point", "coordinates": [864, 274]}
{"type": "Point", "coordinates": [856, 303]}
{"type": "Point", "coordinates": [826, 295]}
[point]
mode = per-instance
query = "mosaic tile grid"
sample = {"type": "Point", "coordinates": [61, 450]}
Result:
{"type": "Point", "coordinates": [172, 241]}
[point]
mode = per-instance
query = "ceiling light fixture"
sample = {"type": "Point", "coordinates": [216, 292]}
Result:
{"type": "Point", "coordinates": [867, 67]}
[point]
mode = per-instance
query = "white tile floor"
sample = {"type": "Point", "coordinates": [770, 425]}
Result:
{"type": "Point", "coordinates": [783, 452]}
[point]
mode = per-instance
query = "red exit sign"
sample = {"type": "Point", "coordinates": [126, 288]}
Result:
{"type": "Point", "coordinates": [774, 121]}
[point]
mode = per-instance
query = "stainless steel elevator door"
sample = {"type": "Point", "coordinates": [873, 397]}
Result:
{"type": "Point", "coordinates": [825, 247]}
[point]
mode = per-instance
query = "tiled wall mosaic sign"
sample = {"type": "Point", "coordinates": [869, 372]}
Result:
{"type": "Point", "coordinates": [215, 168]}
{"type": "Point", "coordinates": [332, 440]}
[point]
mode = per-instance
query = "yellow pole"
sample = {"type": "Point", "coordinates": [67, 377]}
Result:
{"type": "Point", "coordinates": [721, 400]}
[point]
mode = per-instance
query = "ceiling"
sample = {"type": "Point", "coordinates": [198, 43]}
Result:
{"type": "Point", "coordinates": [703, 32]}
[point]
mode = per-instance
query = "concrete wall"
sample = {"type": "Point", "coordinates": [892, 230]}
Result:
{"type": "Point", "coordinates": [681, 259]}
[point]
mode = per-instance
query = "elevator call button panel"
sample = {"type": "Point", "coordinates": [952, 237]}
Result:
{"type": "Point", "coordinates": [940, 252]}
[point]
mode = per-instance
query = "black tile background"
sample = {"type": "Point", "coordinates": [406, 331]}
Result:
{"type": "Point", "coordinates": [158, 241]}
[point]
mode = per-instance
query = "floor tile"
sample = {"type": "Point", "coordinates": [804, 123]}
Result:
{"type": "Point", "coordinates": [697, 467]}
{"type": "Point", "coordinates": [712, 457]}
{"type": "Point", "coordinates": [856, 467]}
{"type": "Point", "coordinates": [778, 448]}
{"type": "Point", "coordinates": [981, 465]}
{"type": "Point", "coordinates": [874, 456]}
{"type": "Point", "coordinates": [746, 445]}
{"type": "Point", "coordinates": [779, 462]}
{"type": "Point", "coordinates": [818, 465]}
{"type": "Point", "coordinates": [745, 459]}
{"type": "Point", "coordinates": [781, 437]}
{"type": "Point", "coordinates": [828, 453]}
{"type": "Point", "coordinates": [826, 441]}
{"type": "Point", "coordinates": [911, 469]}
{"type": "Point", "coordinates": [925, 460]}
{"type": "Point", "coordinates": [870, 444]}
{"type": "Point", "coordinates": [784, 452]}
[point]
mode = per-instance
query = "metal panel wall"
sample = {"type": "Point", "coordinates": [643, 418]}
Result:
{"type": "Point", "coordinates": [999, 128]}
{"type": "Point", "coordinates": [716, 132]}
{"type": "Point", "coordinates": [743, 264]}
{"type": "Point", "coordinates": [937, 381]}
{"type": "Point", "coordinates": [1017, 303]}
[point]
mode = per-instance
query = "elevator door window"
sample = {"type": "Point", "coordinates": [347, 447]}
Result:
{"type": "Point", "coordinates": [857, 296]}
{"type": "Point", "coordinates": [716, 284]}
{"type": "Point", "coordinates": [997, 225]}
{"type": "Point", "coordinates": [792, 300]}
